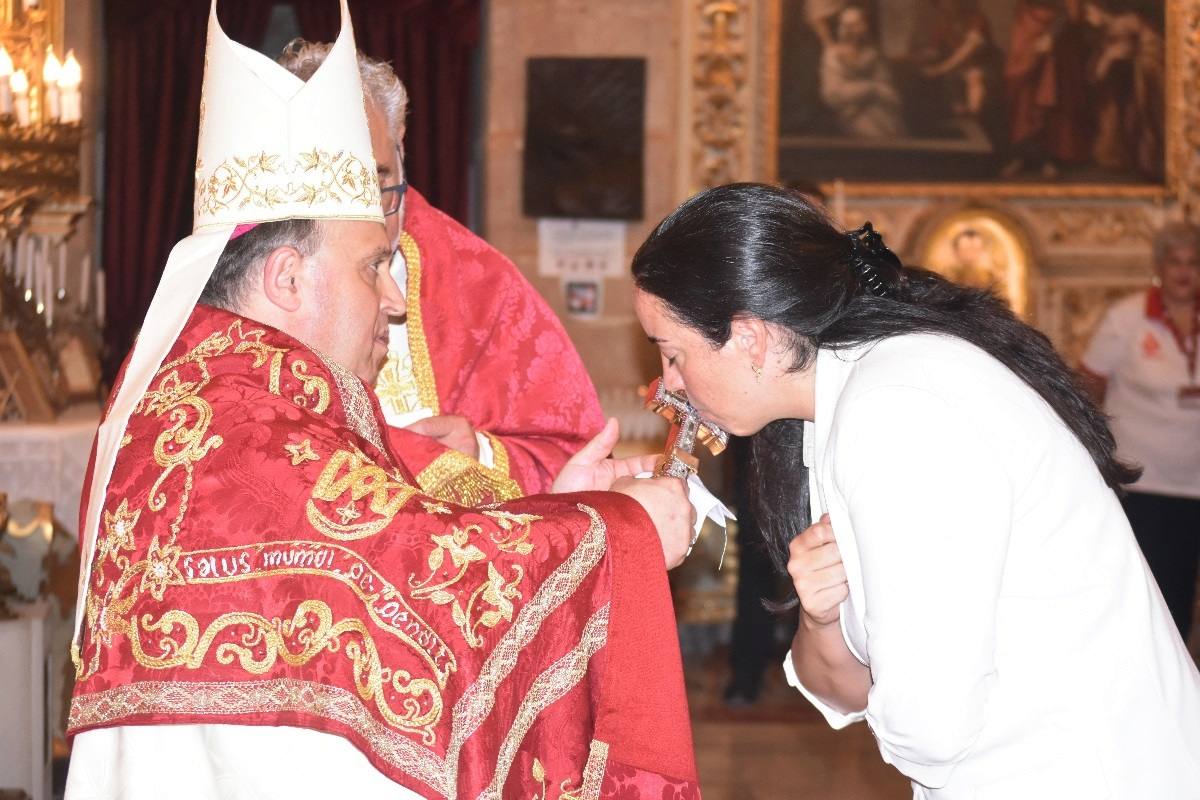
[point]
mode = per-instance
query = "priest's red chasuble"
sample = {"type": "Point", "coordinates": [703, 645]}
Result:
{"type": "Point", "coordinates": [265, 558]}
{"type": "Point", "coordinates": [484, 345]}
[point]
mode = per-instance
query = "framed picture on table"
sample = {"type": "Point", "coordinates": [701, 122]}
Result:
{"type": "Point", "coordinates": [1026, 96]}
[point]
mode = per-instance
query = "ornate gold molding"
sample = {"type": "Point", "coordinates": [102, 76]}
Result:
{"type": "Point", "coordinates": [719, 112]}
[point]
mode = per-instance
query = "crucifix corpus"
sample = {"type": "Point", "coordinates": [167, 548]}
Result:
{"type": "Point", "coordinates": [687, 428]}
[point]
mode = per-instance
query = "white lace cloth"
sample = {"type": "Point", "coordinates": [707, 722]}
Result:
{"type": "Point", "coordinates": [48, 462]}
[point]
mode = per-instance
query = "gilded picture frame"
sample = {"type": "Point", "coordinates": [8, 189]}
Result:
{"type": "Point", "coordinates": [1180, 174]}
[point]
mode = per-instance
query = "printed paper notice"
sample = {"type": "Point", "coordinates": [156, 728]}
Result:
{"type": "Point", "coordinates": [581, 249]}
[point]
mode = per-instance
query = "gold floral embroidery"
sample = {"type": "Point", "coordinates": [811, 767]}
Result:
{"type": "Point", "coordinates": [547, 688]}
{"type": "Point", "coordinates": [593, 775]}
{"type": "Point", "coordinates": [434, 508]}
{"type": "Point", "coordinates": [349, 471]}
{"type": "Point", "coordinates": [301, 452]}
{"type": "Point", "coordinates": [269, 180]}
{"type": "Point", "coordinates": [203, 701]}
{"type": "Point", "coordinates": [458, 478]}
{"type": "Point", "coordinates": [478, 701]}
{"type": "Point", "coordinates": [256, 643]}
{"type": "Point", "coordinates": [495, 591]}
{"type": "Point", "coordinates": [418, 347]}
{"type": "Point", "coordinates": [161, 569]}
{"type": "Point", "coordinates": [515, 527]}
{"type": "Point", "coordinates": [118, 529]}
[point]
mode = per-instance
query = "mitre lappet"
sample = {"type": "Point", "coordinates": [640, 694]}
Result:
{"type": "Point", "coordinates": [271, 147]}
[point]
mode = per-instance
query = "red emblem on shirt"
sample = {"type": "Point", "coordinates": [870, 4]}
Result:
{"type": "Point", "coordinates": [1151, 346]}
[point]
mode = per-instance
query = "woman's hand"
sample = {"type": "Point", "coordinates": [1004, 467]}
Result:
{"type": "Point", "coordinates": [815, 565]}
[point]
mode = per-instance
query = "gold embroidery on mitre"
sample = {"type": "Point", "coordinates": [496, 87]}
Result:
{"type": "Point", "coordinates": [547, 688]}
{"type": "Point", "coordinates": [204, 700]}
{"type": "Point", "coordinates": [457, 478]}
{"type": "Point", "coordinates": [418, 347]}
{"type": "Point", "coordinates": [480, 698]}
{"type": "Point", "coordinates": [267, 181]}
{"type": "Point", "coordinates": [301, 452]}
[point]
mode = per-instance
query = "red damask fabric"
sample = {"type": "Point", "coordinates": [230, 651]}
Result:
{"type": "Point", "coordinates": [500, 356]}
{"type": "Point", "coordinates": [265, 558]}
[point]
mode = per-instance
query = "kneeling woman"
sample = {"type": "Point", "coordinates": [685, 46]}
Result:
{"type": "Point", "coordinates": [970, 585]}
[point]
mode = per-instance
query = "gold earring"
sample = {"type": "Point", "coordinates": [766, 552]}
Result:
{"type": "Point", "coordinates": [757, 373]}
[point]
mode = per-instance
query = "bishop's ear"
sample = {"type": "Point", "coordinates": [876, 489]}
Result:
{"type": "Point", "coordinates": [283, 278]}
{"type": "Point", "coordinates": [749, 335]}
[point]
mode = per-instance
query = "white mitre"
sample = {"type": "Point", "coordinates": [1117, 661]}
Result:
{"type": "Point", "coordinates": [272, 147]}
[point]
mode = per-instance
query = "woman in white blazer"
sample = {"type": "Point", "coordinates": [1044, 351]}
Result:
{"type": "Point", "coordinates": [970, 587]}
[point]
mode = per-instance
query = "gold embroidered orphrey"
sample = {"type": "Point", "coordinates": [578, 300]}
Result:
{"type": "Point", "coordinates": [313, 627]}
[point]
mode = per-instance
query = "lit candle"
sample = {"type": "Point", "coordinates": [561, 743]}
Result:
{"type": "Point", "coordinates": [51, 72]}
{"type": "Point", "coordinates": [69, 80]}
{"type": "Point", "coordinates": [20, 89]}
{"type": "Point", "coordinates": [6, 71]}
{"type": "Point", "coordinates": [62, 270]}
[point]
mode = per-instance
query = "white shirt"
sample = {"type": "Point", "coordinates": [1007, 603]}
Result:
{"type": "Point", "coordinates": [221, 762]}
{"type": "Point", "coordinates": [1136, 351]}
{"type": "Point", "coordinates": [1018, 646]}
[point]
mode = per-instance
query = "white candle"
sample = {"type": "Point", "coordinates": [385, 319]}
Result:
{"type": "Point", "coordinates": [51, 73]}
{"type": "Point", "coordinates": [100, 297]}
{"type": "Point", "coordinates": [61, 283]}
{"type": "Point", "coordinates": [20, 90]}
{"type": "Point", "coordinates": [69, 80]}
{"type": "Point", "coordinates": [85, 281]}
{"type": "Point", "coordinates": [6, 71]}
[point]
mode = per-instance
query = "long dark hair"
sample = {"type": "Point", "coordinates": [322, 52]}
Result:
{"type": "Point", "coordinates": [752, 249]}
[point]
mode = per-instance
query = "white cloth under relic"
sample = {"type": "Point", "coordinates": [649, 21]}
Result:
{"type": "Point", "coordinates": [1018, 644]}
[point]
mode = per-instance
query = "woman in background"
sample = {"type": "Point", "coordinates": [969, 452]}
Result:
{"type": "Point", "coordinates": [1142, 362]}
{"type": "Point", "coordinates": [970, 587]}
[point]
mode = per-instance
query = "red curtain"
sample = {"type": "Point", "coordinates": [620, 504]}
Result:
{"type": "Point", "coordinates": [155, 65]}
{"type": "Point", "coordinates": [432, 45]}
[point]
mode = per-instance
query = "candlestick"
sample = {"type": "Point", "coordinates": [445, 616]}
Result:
{"type": "Point", "coordinates": [6, 71]}
{"type": "Point", "coordinates": [69, 80]}
{"type": "Point", "coordinates": [20, 90]}
{"type": "Point", "coordinates": [51, 73]}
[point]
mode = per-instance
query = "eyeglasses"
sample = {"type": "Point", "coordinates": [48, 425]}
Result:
{"type": "Point", "coordinates": [392, 196]}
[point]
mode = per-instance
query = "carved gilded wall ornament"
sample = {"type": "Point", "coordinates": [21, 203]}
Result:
{"type": "Point", "coordinates": [720, 103]}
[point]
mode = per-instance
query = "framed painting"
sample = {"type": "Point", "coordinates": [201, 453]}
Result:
{"type": "Point", "coordinates": [1041, 96]}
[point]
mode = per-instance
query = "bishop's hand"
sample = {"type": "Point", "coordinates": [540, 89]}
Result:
{"type": "Point", "coordinates": [591, 469]}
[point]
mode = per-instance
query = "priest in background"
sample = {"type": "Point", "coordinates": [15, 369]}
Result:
{"type": "Point", "coordinates": [270, 605]}
{"type": "Point", "coordinates": [481, 364]}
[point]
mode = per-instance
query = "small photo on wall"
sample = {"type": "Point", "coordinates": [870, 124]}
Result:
{"type": "Point", "coordinates": [584, 299]}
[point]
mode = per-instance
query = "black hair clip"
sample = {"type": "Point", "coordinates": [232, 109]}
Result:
{"type": "Point", "coordinates": [867, 254]}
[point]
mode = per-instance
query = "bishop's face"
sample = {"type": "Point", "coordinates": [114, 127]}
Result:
{"type": "Point", "coordinates": [354, 294]}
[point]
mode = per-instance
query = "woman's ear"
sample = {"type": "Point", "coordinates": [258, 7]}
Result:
{"type": "Point", "coordinates": [282, 278]}
{"type": "Point", "coordinates": [750, 337]}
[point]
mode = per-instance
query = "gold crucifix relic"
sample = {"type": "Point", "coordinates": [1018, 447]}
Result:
{"type": "Point", "coordinates": [687, 429]}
